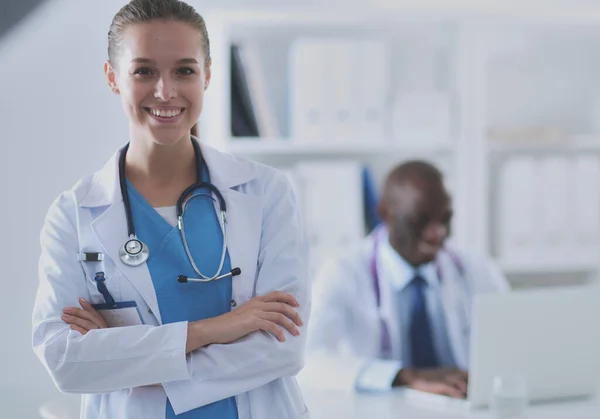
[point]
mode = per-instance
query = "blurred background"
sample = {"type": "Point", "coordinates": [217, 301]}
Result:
{"type": "Point", "coordinates": [503, 96]}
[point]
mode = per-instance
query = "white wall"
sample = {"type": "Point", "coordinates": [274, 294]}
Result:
{"type": "Point", "coordinates": [59, 122]}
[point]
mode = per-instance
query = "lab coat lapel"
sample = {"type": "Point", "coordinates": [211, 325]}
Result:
{"type": "Point", "coordinates": [244, 213]}
{"type": "Point", "coordinates": [454, 301]}
{"type": "Point", "coordinates": [244, 217]}
{"type": "Point", "coordinates": [111, 230]}
{"type": "Point", "coordinates": [389, 314]}
{"type": "Point", "coordinates": [388, 309]}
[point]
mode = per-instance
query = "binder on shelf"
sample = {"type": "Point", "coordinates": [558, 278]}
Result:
{"type": "Point", "coordinates": [256, 80]}
{"type": "Point", "coordinates": [309, 79]}
{"type": "Point", "coordinates": [342, 111]}
{"type": "Point", "coordinates": [338, 89]}
{"type": "Point", "coordinates": [549, 210]}
{"type": "Point", "coordinates": [371, 80]}
{"type": "Point", "coordinates": [370, 200]}
{"type": "Point", "coordinates": [552, 179]}
{"type": "Point", "coordinates": [243, 120]}
{"type": "Point", "coordinates": [517, 211]}
{"type": "Point", "coordinates": [585, 211]}
{"type": "Point", "coordinates": [331, 198]}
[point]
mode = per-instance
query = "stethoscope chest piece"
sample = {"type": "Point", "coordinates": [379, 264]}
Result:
{"type": "Point", "coordinates": [134, 252]}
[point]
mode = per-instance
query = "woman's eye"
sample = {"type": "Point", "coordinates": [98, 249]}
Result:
{"type": "Point", "coordinates": [186, 71]}
{"type": "Point", "coordinates": [144, 71]}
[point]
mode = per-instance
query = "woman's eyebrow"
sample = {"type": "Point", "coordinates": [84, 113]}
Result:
{"type": "Point", "coordinates": [149, 61]}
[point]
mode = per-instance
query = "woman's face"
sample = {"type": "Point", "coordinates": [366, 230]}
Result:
{"type": "Point", "coordinates": [161, 74]}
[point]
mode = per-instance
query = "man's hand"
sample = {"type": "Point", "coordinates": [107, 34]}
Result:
{"type": "Point", "coordinates": [445, 381]}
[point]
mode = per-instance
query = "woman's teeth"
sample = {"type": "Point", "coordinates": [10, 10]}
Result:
{"type": "Point", "coordinates": [165, 114]}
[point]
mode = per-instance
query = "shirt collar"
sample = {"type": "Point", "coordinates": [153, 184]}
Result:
{"type": "Point", "coordinates": [397, 270]}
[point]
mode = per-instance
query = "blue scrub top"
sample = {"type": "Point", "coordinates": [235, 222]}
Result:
{"type": "Point", "coordinates": [168, 259]}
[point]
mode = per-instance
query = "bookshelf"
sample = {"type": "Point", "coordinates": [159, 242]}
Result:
{"type": "Point", "coordinates": [483, 64]}
{"type": "Point", "coordinates": [274, 146]}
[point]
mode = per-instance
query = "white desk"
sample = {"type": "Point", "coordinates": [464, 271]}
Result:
{"type": "Point", "coordinates": [392, 405]}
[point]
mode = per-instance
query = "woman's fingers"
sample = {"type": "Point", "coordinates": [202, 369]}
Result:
{"type": "Point", "coordinates": [284, 309]}
{"type": "Point", "coordinates": [272, 328]}
{"type": "Point", "coordinates": [279, 296]}
{"type": "Point", "coordinates": [283, 321]}
{"type": "Point", "coordinates": [88, 307]}
{"type": "Point", "coordinates": [79, 329]}
{"type": "Point", "coordinates": [86, 319]}
{"type": "Point", "coordinates": [81, 313]}
{"type": "Point", "coordinates": [79, 321]}
{"type": "Point", "coordinates": [275, 313]}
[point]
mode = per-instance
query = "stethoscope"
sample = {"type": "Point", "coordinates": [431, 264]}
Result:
{"type": "Point", "coordinates": [135, 252]}
{"type": "Point", "coordinates": [386, 344]}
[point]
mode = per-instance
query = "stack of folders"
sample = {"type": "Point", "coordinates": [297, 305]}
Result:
{"type": "Point", "coordinates": [252, 110]}
{"type": "Point", "coordinates": [339, 89]}
{"type": "Point", "coordinates": [549, 210]}
{"type": "Point", "coordinates": [331, 200]}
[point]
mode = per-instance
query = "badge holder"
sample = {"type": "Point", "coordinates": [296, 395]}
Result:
{"type": "Point", "coordinates": [116, 314]}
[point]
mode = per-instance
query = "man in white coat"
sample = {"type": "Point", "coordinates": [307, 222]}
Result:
{"type": "Point", "coordinates": [396, 311]}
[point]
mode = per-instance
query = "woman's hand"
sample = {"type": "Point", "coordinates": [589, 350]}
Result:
{"type": "Point", "coordinates": [83, 319]}
{"type": "Point", "coordinates": [272, 313]}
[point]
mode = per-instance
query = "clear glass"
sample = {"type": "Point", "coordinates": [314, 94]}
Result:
{"type": "Point", "coordinates": [510, 397]}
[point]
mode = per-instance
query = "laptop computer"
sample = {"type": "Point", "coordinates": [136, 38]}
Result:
{"type": "Point", "coordinates": [551, 337]}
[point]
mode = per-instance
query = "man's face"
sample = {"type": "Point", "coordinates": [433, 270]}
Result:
{"type": "Point", "coordinates": [418, 217]}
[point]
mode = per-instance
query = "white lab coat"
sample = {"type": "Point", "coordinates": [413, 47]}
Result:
{"type": "Point", "coordinates": [345, 333]}
{"type": "Point", "coordinates": [115, 368]}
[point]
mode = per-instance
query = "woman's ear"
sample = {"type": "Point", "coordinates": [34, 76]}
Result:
{"type": "Point", "coordinates": [207, 77]}
{"type": "Point", "coordinates": [111, 77]}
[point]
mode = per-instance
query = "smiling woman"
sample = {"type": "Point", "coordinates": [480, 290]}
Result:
{"type": "Point", "coordinates": [124, 313]}
{"type": "Point", "coordinates": [146, 67]}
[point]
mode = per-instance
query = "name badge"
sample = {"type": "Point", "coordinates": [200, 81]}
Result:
{"type": "Point", "coordinates": [125, 313]}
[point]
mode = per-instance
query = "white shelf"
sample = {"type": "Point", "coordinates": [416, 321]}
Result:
{"type": "Point", "coordinates": [329, 17]}
{"type": "Point", "coordinates": [387, 11]}
{"type": "Point", "coordinates": [577, 144]}
{"type": "Point", "coordinates": [545, 267]}
{"type": "Point", "coordinates": [268, 146]}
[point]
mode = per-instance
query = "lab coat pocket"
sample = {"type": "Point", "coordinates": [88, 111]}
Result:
{"type": "Point", "coordinates": [299, 407]}
{"type": "Point", "coordinates": [305, 415]}
{"type": "Point", "coordinates": [243, 288]}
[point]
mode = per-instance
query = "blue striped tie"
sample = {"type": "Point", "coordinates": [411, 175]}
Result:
{"type": "Point", "coordinates": [421, 340]}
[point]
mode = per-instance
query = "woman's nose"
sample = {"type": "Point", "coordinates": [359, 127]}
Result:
{"type": "Point", "coordinates": [165, 89]}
